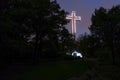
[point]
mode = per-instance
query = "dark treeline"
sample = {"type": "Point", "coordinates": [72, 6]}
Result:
{"type": "Point", "coordinates": [104, 39]}
{"type": "Point", "coordinates": [31, 30]}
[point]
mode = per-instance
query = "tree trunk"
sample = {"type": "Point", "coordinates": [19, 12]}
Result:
{"type": "Point", "coordinates": [113, 53]}
{"type": "Point", "coordinates": [36, 52]}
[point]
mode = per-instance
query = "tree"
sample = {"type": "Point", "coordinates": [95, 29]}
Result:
{"type": "Point", "coordinates": [105, 28]}
{"type": "Point", "coordinates": [86, 45]}
{"type": "Point", "coordinates": [35, 24]}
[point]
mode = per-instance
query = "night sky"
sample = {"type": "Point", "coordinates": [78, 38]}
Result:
{"type": "Point", "coordinates": [85, 8]}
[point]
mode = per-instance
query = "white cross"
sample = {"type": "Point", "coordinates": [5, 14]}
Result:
{"type": "Point", "coordinates": [74, 18]}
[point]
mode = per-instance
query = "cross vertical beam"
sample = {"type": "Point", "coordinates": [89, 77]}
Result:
{"type": "Point", "coordinates": [73, 19]}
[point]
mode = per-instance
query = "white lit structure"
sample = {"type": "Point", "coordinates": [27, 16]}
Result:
{"type": "Point", "coordinates": [77, 54]}
{"type": "Point", "coordinates": [73, 18]}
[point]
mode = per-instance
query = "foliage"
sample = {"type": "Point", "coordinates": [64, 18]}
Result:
{"type": "Point", "coordinates": [32, 28]}
{"type": "Point", "coordinates": [105, 29]}
{"type": "Point", "coordinates": [86, 45]}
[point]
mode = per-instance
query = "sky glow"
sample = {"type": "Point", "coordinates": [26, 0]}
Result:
{"type": "Point", "coordinates": [85, 9]}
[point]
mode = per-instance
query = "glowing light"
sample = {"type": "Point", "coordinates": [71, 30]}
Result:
{"type": "Point", "coordinates": [73, 18]}
{"type": "Point", "coordinates": [77, 54]}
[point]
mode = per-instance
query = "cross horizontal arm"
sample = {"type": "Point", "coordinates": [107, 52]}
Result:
{"type": "Point", "coordinates": [77, 18]}
{"type": "Point", "coordinates": [69, 17]}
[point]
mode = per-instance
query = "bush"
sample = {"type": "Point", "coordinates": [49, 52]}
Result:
{"type": "Point", "coordinates": [104, 55]}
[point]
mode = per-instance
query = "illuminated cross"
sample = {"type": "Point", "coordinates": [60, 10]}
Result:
{"type": "Point", "coordinates": [73, 18]}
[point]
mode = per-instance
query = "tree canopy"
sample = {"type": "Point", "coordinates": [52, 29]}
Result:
{"type": "Point", "coordinates": [32, 27]}
{"type": "Point", "coordinates": [105, 29]}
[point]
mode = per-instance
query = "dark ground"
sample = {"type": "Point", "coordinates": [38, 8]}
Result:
{"type": "Point", "coordinates": [94, 71]}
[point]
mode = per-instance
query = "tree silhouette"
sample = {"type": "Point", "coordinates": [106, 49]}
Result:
{"type": "Point", "coordinates": [86, 45]}
{"type": "Point", "coordinates": [105, 28]}
{"type": "Point", "coordinates": [33, 28]}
